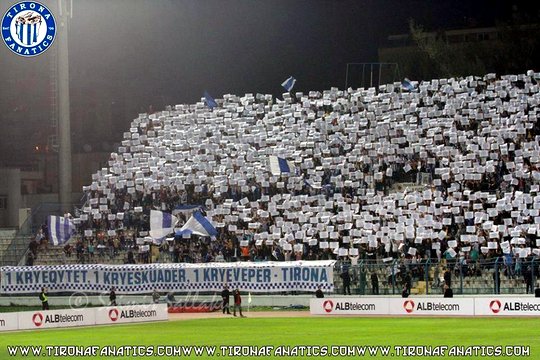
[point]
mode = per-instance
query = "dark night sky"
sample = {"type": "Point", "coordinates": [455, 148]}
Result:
{"type": "Point", "coordinates": [157, 52]}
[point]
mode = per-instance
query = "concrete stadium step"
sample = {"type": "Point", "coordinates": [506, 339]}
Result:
{"type": "Point", "coordinates": [5, 241]}
{"type": "Point", "coordinates": [8, 233]}
{"type": "Point", "coordinates": [56, 256]}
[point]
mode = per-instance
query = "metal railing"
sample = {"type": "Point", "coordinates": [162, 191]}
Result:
{"type": "Point", "coordinates": [18, 246]}
{"type": "Point", "coordinates": [497, 275]}
{"type": "Point", "coordinates": [16, 252]}
{"type": "Point", "coordinates": [484, 276]}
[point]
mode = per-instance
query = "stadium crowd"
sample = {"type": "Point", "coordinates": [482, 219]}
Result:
{"type": "Point", "coordinates": [472, 142]}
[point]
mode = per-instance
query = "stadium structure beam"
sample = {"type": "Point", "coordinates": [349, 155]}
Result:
{"type": "Point", "coordinates": [64, 123]}
{"type": "Point", "coordinates": [378, 67]}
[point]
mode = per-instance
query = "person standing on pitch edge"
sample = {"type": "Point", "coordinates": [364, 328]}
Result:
{"type": "Point", "coordinates": [319, 294]}
{"type": "Point", "coordinates": [448, 292]}
{"type": "Point", "coordinates": [155, 296]}
{"type": "Point", "coordinates": [374, 283]}
{"type": "Point", "coordinates": [225, 295]}
{"type": "Point", "coordinates": [237, 303]}
{"type": "Point", "coordinates": [112, 297]}
{"type": "Point", "coordinates": [44, 299]}
{"type": "Point", "coordinates": [346, 277]}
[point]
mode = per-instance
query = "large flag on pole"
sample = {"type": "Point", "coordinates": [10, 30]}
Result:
{"type": "Point", "coordinates": [279, 165]}
{"type": "Point", "coordinates": [198, 224]}
{"type": "Point", "coordinates": [289, 83]}
{"type": "Point", "coordinates": [161, 224]}
{"type": "Point", "coordinates": [60, 229]}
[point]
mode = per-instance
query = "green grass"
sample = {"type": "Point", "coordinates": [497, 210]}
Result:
{"type": "Point", "coordinates": [295, 331]}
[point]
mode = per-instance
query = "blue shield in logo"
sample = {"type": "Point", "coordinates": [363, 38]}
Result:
{"type": "Point", "coordinates": [27, 27]}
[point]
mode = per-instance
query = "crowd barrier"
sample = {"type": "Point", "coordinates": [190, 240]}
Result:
{"type": "Point", "coordinates": [29, 320]}
{"type": "Point", "coordinates": [471, 306]}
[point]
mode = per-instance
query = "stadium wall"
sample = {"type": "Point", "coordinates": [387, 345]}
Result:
{"type": "Point", "coordinates": [427, 306]}
{"type": "Point", "coordinates": [257, 300]}
{"type": "Point", "coordinates": [31, 320]}
{"type": "Point", "coordinates": [81, 299]}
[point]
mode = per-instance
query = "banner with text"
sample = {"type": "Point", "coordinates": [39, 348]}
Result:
{"type": "Point", "coordinates": [507, 306]}
{"type": "Point", "coordinates": [393, 306]}
{"type": "Point", "coordinates": [432, 306]}
{"type": "Point", "coordinates": [9, 321]}
{"type": "Point", "coordinates": [127, 314]}
{"type": "Point", "coordinates": [138, 279]}
{"type": "Point", "coordinates": [56, 318]}
{"type": "Point", "coordinates": [28, 320]}
{"type": "Point", "coordinates": [349, 306]}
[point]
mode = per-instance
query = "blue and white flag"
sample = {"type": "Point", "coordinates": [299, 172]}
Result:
{"type": "Point", "coordinates": [210, 102]}
{"type": "Point", "coordinates": [60, 229]}
{"type": "Point", "coordinates": [407, 84]}
{"type": "Point", "coordinates": [279, 166]}
{"type": "Point", "coordinates": [161, 224]}
{"type": "Point", "coordinates": [289, 83]}
{"type": "Point", "coordinates": [198, 224]}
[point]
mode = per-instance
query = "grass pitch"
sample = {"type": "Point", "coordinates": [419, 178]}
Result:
{"type": "Point", "coordinates": [330, 331]}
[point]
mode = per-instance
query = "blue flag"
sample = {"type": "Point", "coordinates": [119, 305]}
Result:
{"type": "Point", "coordinates": [279, 165]}
{"type": "Point", "coordinates": [289, 83]}
{"type": "Point", "coordinates": [198, 224]}
{"type": "Point", "coordinates": [407, 85]}
{"type": "Point", "coordinates": [210, 102]}
{"type": "Point", "coordinates": [161, 224]}
{"type": "Point", "coordinates": [60, 229]}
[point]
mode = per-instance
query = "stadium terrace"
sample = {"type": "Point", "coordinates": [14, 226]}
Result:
{"type": "Point", "coordinates": [445, 171]}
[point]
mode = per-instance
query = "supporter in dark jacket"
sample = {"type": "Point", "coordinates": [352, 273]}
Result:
{"type": "Point", "coordinates": [448, 293]}
{"type": "Point", "coordinates": [225, 295]}
{"type": "Point", "coordinates": [346, 277]}
{"type": "Point", "coordinates": [112, 297]}
{"type": "Point", "coordinates": [237, 303]}
{"type": "Point", "coordinates": [319, 294]}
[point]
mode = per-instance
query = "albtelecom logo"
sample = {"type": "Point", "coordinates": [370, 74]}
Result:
{"type": "Point", "coordinates": [37, 319]}
{"type": "Point", "coordinates": [495, 306]}
{"type": "Point", "coordinates": [408, 305]}
{"type": "Point", "coordinates": [28, 28]}
{"type": "Point", "coordinates": [328, 305]}
{"type": "Point", "coordinates": [113, 314]}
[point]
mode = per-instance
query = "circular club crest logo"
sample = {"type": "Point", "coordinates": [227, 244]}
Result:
{"type": "Point", "coordinates": [37, 319]}
{"type": "Point", "coordinates": [495, 306]}
{"type": "Point", "coordinates": [328, 306]}
{"type": "Point", "coordinates": [113, 314]}
{"type": "Point", "coordinates": [28, 28]}
{"type": "Point", "coordinates": [408, 306]}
